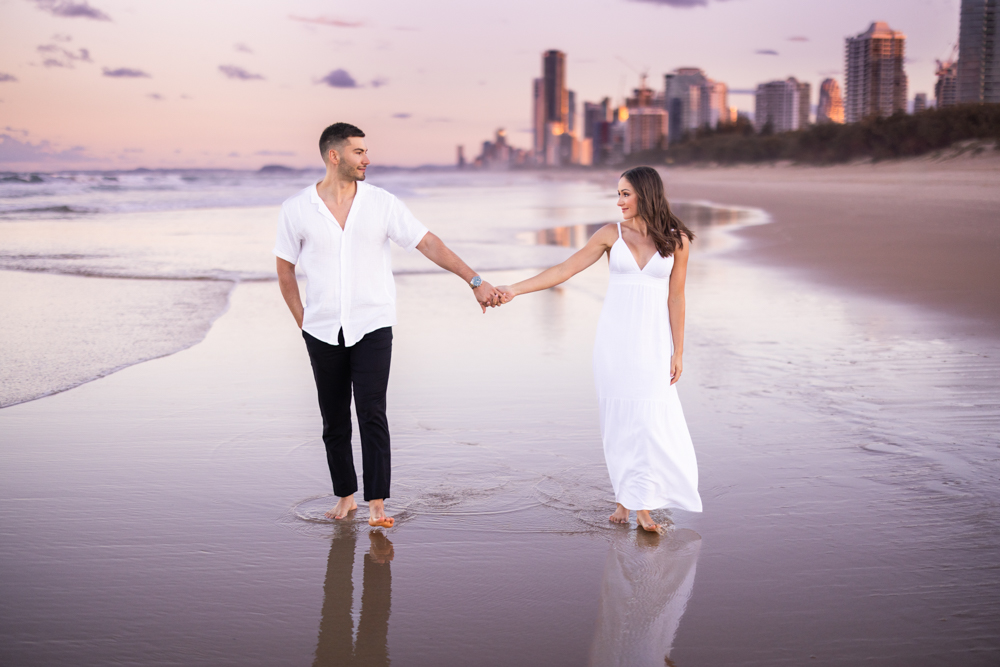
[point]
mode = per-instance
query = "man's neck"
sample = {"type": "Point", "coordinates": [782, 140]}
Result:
{"type": "Point", "coordinates": [336, 188]}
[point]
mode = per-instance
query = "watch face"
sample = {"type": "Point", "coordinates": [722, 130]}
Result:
{"type": "Point", "coordinates": [476, 282]}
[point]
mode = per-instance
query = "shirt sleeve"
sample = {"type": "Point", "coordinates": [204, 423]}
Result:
{"type": "Point", "coordinates": [404, 228]}
{"type": "Point", "coordinates": [289, 242]}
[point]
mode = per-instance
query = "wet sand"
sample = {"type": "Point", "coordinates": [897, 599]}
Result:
{"type": "Point", "coordinates": [169, 513]}
{"type": "Point", "coordinates": [924, 231]}
{"type": "Point", "coordinates": [162, 515]}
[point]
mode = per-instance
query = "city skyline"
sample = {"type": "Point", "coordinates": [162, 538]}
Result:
{"type": "Point", "coordinates": [218, 86]}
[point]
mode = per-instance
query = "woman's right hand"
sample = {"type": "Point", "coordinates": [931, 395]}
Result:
{"type": "Point", "coordinates": [507, 293]}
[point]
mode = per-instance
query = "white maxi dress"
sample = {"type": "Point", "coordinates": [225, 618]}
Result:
{"type": "Point", "coordinates": [647, 445]}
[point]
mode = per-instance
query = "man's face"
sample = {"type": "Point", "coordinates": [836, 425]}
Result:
{"type": "Point", "coordinates": [353, 159]}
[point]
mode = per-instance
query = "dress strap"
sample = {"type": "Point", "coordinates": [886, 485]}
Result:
{"type": "Point", "coordinates": [619, 230]}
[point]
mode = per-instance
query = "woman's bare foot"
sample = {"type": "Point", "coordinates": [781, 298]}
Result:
{"type": "Point", "coordinates": [646, 522]}
{"type": "Point", "coordinates": [343, 507]}
{"type": "Point", "coordinates": [620, 515]}
{"type": "Point", "coordinates": [376, 515]}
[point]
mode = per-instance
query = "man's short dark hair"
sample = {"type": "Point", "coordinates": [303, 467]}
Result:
{"type": "Point", "coordinates": [335, 135]}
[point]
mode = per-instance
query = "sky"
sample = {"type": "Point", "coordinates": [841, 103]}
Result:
{"type": "Point", "coordinates": [120, 84]}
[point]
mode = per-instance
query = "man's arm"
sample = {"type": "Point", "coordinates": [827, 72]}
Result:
{"type": "Point", "coordinates": [435, 250]}
{"type": "Point", "coordinates": [290, 289]}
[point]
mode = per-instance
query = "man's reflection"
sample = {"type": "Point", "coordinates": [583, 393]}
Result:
{"type": "Point", "coordinates": [647, 583]}
{"type": "Point", "coordinates": [336, 644]}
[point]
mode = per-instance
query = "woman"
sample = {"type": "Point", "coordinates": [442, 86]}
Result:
{"type": "Point", "coordinates": [638, 351]}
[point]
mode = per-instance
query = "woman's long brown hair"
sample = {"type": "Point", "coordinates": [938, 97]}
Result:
{"type": "Point", "coordinates": [665, 228]}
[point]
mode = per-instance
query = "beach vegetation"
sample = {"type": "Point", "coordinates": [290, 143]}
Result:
{"type": "Point", "coordinates": [898, 136]}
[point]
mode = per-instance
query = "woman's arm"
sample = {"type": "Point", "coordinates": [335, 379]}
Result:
{"type": "Point", "coordinates": [675, 305]}
{"type": "Point", "coordinates": [598, 244]}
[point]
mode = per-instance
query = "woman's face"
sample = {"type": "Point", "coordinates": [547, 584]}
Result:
{"type": "Point", "coordinates": [628, 202]}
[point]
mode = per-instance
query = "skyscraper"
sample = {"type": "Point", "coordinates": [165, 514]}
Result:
{"type": "Point", "coordinates": [783, 104]}
{"type": "Point", "coordinates": [919, 102]}
{"type": "Point", "coordinates": [693, 100]}
{"type": "Point", "coordinates": [831, 104]}
{"type": "Point", "coordinates": [946, 88]}
{"type": "Point", "coordinates": [876, 82]}
{"type": "Point", "coordinates": [552, 116]}
{"type": "Point", "coordinates": [979, 52]}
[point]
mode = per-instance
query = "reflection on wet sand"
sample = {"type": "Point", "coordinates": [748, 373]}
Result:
{"type": "Point", "coordinates": [337, 644]}
{"type": "Point", "coordinates": [693, 215]}
{"type": "Point", "coordinates": [647, 583]}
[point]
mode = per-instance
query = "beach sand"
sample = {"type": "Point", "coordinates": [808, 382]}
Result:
{"type": "Point", "coordinates": [924, 231]}
{"type": "Point", "coordinates": [170, 513]}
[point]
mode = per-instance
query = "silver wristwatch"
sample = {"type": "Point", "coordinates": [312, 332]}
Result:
{"type": "Point", "coordinates": [475, 282]}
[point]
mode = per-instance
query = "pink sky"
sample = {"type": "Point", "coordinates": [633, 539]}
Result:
{"type": "Point", "coordinates": [118, 84]}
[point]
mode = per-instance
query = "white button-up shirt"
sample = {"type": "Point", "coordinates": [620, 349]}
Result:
{"type": "Point", "coordinates": [348, 271]}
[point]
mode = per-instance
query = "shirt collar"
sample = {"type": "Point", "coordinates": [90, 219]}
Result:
{"type": "Point", "coordinates": [321, 205]}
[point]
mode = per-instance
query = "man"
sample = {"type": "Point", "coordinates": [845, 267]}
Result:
{"type": "Point", "coordinates": [338, 231]}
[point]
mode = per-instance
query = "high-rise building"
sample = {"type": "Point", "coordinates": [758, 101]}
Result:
{"type": "Point", "coordinates": [692, 100]}
{"type": "Point", "coordinates": [946, 88]}
{"type": "Point", "coordinates": [594, 113]}
{"type": "Point", "coordinates": [783, 104]}
{"type": "Point", "coordinates": [876, 81]}
{"type": "Point", "coordinates": [645, 129]}
{"type": "Point", "coordinates": [538, 116]}
{"type": "Point", "coordinates": [979, 52]}
{"type": "Point", "coordinates": [552, 111]}
{"type": "Point", "coordinates": [571, 116]}
{"type": "Point", "coordinates": [831, 104]}
{"type": "Point", "coordinates": [919, 102]}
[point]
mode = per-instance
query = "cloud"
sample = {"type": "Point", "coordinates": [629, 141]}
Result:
{"type": "Point", "coordinates": [155, 96]}
{"type": "Point", "coordinates": [401, 115]}
{"type": "Point", "coordinates": [325, 20]}
{"type": "Point", "coordinates": [243, 47]}
{"type": "Point", "coordinates": [234, 72]}
{"type": "Point", "coordinates": [766, 52]}
{"type": "Point", "coordinates": [126, 73]}
{"type": "Point", "coordinates": [62, 38]}
{"type": "Point", "coordinates": [378, 83]}
{"type": "Point", "coordinates": [678, 3]}
{"type": "Point", "coordinates": [4, 77]}
{"type": "Point", "coordinates": [798, 38]}
{"type": "Point", "coordinates": [60, 57]}
{"type": "Point", "coordinates": [339, 78]}
{"type": "Point", "coordinates": [12, 150]}
{"type": "Point", "coordinates": [275, 153]}
{"type": "Point", "coordinates": [72, 10]}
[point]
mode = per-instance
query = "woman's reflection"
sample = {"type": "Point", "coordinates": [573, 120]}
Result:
{"type": "Point", "coordinates": [336, 644]}
{"type": "Point", "coordinates": [647, 583]}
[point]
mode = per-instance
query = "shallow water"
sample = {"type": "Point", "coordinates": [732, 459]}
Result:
{"type": "Point", "coordinates": [847, 451]}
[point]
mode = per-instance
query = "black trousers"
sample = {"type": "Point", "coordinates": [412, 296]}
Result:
{"type": "Point", "coordinates": [365, 367]}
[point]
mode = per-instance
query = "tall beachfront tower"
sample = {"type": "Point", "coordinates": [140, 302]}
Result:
{"type": "Point", "coordinates": [551, 110]}
{"type": "Point", "coordinates": [831, 103]}
{"type": "Point", "coordinates": [692, 100]}
{"type": "Point", "coordinates": [876, 80]}
{"type": "Point", "coordinates": [783, 104]}
{"type": "Point", "coordinates": [946, 88]}
{"type": "Point", "coordinates": [979, 52]}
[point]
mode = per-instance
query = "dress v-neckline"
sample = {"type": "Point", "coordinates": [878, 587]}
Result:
{"type": "Point", "coordinates": [632, 255]}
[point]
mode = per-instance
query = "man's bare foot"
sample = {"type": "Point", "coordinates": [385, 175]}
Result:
{"type": "Point", "coordinates": [620, 515]}
{"type": "Point", "coordinates": [376, 515]}
{"type": "Point", "coordinates": [343, 507]}
{"type": "Point", "coordinates": [646, 522]}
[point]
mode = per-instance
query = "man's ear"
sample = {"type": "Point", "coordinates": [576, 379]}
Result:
{"type": "Point", "coordinates": [332, 156]}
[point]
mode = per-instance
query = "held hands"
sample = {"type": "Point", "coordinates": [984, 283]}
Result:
{"type": "Point", "coordinates": [487, 295]}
